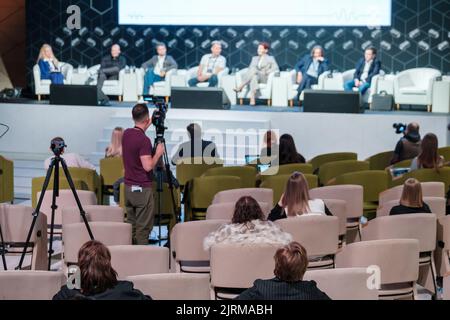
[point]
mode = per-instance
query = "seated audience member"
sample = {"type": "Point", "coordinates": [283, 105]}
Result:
{"type": "Point", "coordinates": [115, 146]}
{"type": "Point", "coordinates": [270, 146]}
{"type": "Point", "coordinates": [409, 145]}
{"type": "Point", "coordinates": [73, 160]}
{"type": "Point", "coordinates": [309, 69]}
{"type": "Point", "coordinates": [411, 200]}
{"type": "Point", "coordinates": [195, 147]}
{"type": "Point", "coordinates": [428, 157]}
{"type": "Point", "coordinates": [248, 226]}
{"type": "Point", "coordinates": [296, 200]}
{"type": "Point", "coordinates": [157, 67]}
{"type": "Point", "coordinates": [109, 70]}
{"type": "Point", "coordinates": [259, 70]}
{"type": "Point", "coordinates": [288, 152]}
{"type": "Point", "coordinates": [98, 278]}
{"type": "Point", "coordinates": [210, 66]}
{"type": "Point", "coordinates": [49, 66]}
{"type": "Point", "coordinates": [291, 263]}
{"type": "Point", "coordinates": [366, 69]}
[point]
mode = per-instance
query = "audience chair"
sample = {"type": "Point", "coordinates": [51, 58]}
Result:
{"type": "Point", "coordinates": [339, 209]}
{"type": "Point", "coordinates": [397, 260]}
{"type": "Point", "coordinates": [442, 256]}
{"type": "Point", "coordinates": [380, 161]}
{"type": "Point", "coordinates": [427, 175]}
{"type": "Point", "coordinates": [6, 180]}
{"type": "Point", "coordinates": [246, 174]}
{"type": "Point", "coordinates": [173, 286]}
{"type": "Point", "coordinates": [130, 260]}
{"type": "Point", "coordinates": [111, 170]}
{"type": "Point", "coordinates": [429, 189]}
{"type": "Point", "coordinates": [331, 170]}
{"type": "Point", "coordinates": [94, 213]}
{"type": "Point", "coordinates": [190, 168]}
{"type": "Point", "coordinates": [320, 160]}
{"type": "Point", "coordinates": [259, 194]}
{"type": "Point", "coordinates": [37, 183]}
{"type": "Point", "coordinates": [445, 152]}
{"type": "Point", "coordinates": [225, 210]}
{"type": "Point", "coordinates": [437, 206]}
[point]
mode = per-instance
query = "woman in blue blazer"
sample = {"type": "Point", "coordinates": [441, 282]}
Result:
{"type": "Point", "coordinates": [49, 66]}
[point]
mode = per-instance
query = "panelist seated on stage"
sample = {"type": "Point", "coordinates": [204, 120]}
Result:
{"type": "Point", "coordinates": [210, 67]}
{"type": "Point", "coordinates": [196, 147]}
{"type": "Point", "coordinates": [309, 69]}
{"type": "Point", "coordinates": [109, 70]}
{"type": "Point", "coordinates": [157, 67]}
{"type": "Point", "coordinates": [49, 66]}
{"type": "Point", "coordinates": [259, 70]}
{"type": "Point", "coordinates": [73, 160]}
{"type": "Point", "coordinates": [366, 69]}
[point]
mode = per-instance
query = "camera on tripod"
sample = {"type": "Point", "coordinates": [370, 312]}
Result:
{"type": "Point", "coordinates": [399, 128]}
{"type": "Point", "coordinates": [159, 115]}
{"type": "Point", "coordinates": [57, 146]}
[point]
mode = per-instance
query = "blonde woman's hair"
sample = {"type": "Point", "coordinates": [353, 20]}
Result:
{"type": "Point", "coordinates": [412, 194]}
{"type": "Point", "coordinates": [296, 195]}
{"type": "Point", "coordinates": [115, 147]}
{"type": "Point", "coordinates": [42, 56]}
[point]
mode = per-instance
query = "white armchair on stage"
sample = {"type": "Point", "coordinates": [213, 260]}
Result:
{"type": "Point", "coordinates": [110, 87]}
{"type": "Point", "coordinates": [264, 90]}
{"type": "Point", "coordinates": [415, 87]}
{"type": "Point", "coordinates": [160, 88]}
{"type": "Point", "coordinates": [192, 73]}
{"type": "Point", "coordinates": [292, 87]}
{"type": "Point", "coordinates": [42, 87]}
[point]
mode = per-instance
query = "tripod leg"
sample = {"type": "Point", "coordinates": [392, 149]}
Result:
{"type": "Point", "coordinates": [36, 212]}
{"type": "Point", "coordinates": [77, 199]}
{"type": "Point", "coordinates": [54, 207]}
{"type": "Point", "coordinates": [170, 182]}
{"type": "Point", "coordinates": [3, 249]}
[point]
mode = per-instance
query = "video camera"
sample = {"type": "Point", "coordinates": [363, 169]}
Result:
{"type": "Point", "coordinates": [399, 128]}
{"type": "Point", "coordinates": [159, 115]}
{"type": "Point", "coordinates": [57, 146]}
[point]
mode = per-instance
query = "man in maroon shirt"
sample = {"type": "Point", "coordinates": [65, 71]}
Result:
{"type": "Point", "coordinates": [139, 162]}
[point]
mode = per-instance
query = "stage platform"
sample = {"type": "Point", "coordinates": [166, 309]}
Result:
{"type": "Point", "coordinates": [237, 131]}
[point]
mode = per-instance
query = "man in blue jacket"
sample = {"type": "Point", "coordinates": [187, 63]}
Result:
{"type": "Point", "coordinates": [366, 69]}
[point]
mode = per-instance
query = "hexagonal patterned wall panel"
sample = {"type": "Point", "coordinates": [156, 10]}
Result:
{"type": "Point", "coordinates": [419, 36]}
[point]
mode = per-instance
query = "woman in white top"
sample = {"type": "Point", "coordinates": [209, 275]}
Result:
{"type": "Point", "coordinates": [248, 226]}
{"type": "Point", "coordinates": [296, 200]}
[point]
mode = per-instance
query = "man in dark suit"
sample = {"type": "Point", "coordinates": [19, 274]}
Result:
{"type": "Point", "coordinates": [366, 69]}
{"type": "Point", "coordinates": [109, 70]}
{"type": "Point", "coordinates": [157, 67]}
{"type": "Point", "coordinates": [291, 263]}
{"type": "Point", "coordinates": [309, 69]}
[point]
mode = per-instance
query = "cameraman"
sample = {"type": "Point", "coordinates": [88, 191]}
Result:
{"type": "Point", "coordinates": [139, 163]}
{"type": "Point", "coordinates": [409, 146]}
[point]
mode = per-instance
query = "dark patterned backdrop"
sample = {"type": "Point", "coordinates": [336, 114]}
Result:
{"type": "Point", "coordinates": [419, 36]}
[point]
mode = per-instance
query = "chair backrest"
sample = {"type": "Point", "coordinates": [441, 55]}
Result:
{"type": "Point", "coordinates": [225, 210]}
{"type": "Point", "coordinates": [30, 285]}
{"type": "Point", "coordinates": [427, 175]}
{"type": "Point", "coordinates": [351, 194]}
{"type": "Point", "coordinates": [111, 170]}
{"type": "Point", "coordinates": [259, 194]}
{"type": "Point", "coordinates": [343, 284]}
{"type": "Point", "coordinates": [437, 206]}
{"type": "Point", "coordinates": [403, 164]}
{"type": "Point", "coordinates": [409, 226]}
{"type": "Point", "coordinates": [94, 213]}
{"type": "Point", "coordinates": [204, 189]}
{"type": "Point", "coordinates": [348, 75]}
{"type": "Point", "coordinates": [65, 200]}
{"type": "Point", "coordinates": [445, 152]}
{"type": "Point", "coordinates": [398, 259]}
{"type": "Point", "coordinates": [333, 169]}
{"type": "Point", "coordinates": [109, 233]}
{"type": "Point", "coordinates": [130, 260]}
{"type": "Point", "coordinates": [419, 77]}
{"type": "Point", "coordinates": [305, 168]}
{"type": "Point", "coordinates": [318, 234]}
{"type": "Point", "coordinates": [381, 160]}
{"type": "Point", "coordinates": [339, 209]}
{"type": "Point", "coordinates": [278, 183]}
{"type": "Point", "coordinates": [173, 286]}
{"type": "Point", "coordinates": [247, 174]}
{"type": "Point", "coordinates": [6, 180]}
{"type": "Point", "coordinates": [320, 160]}
{"type": "Point", "coordinates": [188, 169]}
{"type": "Point", "coordinates": [429, 189]}
{"type": "Point", "coordinates": [373, 181]}
{"type": "Point", "coordinates": [37, 183]}
{"type": "Point", "coordinates": [187, 242]}
{"type": "Point", "coordinates": [238, 266]}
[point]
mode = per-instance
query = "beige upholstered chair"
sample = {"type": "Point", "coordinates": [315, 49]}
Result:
{"type": "Point", "coordinates": [138, 260]}
{"type": "Point", "coordinates": [235, 267]}
{"type": "Point", "coordinates": [339, 209]}
{"type": "Point", "coordinates": [429, 189]}
{"type": "Point", "coordinates": [397, 260]}
{"type": "Point", "coordinates": [318, 234]}
{"type": "Point", "coordinates": [225, 210]}
{"type": "Point", "coordinates": [173, 286]}
{"type": "Point", "coordinates": [442, 255]}
{"type": "Point", "coordinates": [437, 206]}
{"type": "Point", "coordinates": [343, 284]}
{"type": "Point", "coordinates": [94, 213]}
{"type": "Point", "coordinates": [187, 245]}
{"type": "Point", "coordinates": [259, 194]}
{"type": "Point", "coordinates": [30, 285]}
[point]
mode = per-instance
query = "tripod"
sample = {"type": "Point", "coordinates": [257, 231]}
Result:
{"type": "Point", "coordinates": [159, 184]}
{"type": "Point", "coordinates": [3, 249]}
{"type": "Point", "coordinates": [54, 166]}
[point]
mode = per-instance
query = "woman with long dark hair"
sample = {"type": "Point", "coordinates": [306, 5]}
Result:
{"type": "Point", "coordinates": [428, 157]}
{"type": "Point", "coordinates": [288, 151]}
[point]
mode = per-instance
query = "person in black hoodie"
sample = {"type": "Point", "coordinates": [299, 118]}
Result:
{"type": "Point", "coordinates": [291, 262]}
{"type": "Point", "coordinates": [98, 278]}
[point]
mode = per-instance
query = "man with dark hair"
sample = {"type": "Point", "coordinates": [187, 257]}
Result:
{"type": "Point", "coordinates": [366, 68]}
{"type": "Point", "coordinates": [139, 162]}
{"type": "Point", "coordinates": [409, 145]}
{"type": "Point", "coordinates": [291, 263]}
{"type": "Point", "coordinates": [196, 147]}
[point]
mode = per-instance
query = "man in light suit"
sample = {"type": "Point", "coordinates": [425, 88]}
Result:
{"type": "Point", "coordinates": [366, 69]}
{"type": "Point", "coordinates": [157, 67]}
{"type": "Point", "coordinates": [259, 70]}
{"type": "Point", "coordinates": [210, 66]}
